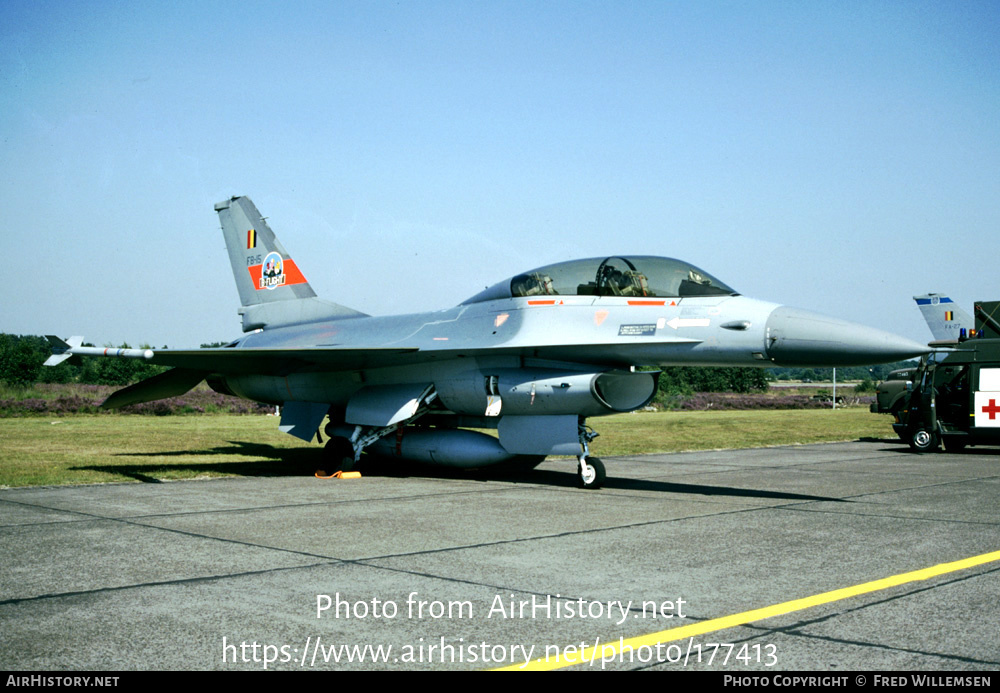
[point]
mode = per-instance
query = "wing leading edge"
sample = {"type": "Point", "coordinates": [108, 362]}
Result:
{"type": "Point", "coordinates": [281, 361]}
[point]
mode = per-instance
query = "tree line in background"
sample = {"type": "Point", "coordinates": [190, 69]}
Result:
{"type": "Point", "coordinates": [875, 373]}
{"type": "Point", "coordinates": [21, 358]}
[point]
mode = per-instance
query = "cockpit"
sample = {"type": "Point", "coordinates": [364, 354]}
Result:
{"type": "Point", "coordinates": [633, 276]}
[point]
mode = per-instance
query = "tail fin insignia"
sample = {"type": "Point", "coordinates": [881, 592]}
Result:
{"type": "Point", "coordinates": [275, 272]}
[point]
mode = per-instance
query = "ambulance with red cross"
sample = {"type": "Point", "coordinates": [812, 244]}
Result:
{"type": "Point", "coordinates": [954, 397]}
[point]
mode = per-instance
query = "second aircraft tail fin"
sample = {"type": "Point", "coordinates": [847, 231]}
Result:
{"type": "Point", "coordinates": [273, 290]}
{"type": "Point", "coordinates": [944, 318]}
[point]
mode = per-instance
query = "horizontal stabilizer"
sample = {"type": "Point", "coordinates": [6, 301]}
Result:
{"type": "Point", "coordinates": [170, 384]}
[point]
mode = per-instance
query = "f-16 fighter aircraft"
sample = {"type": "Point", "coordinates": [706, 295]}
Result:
{"type": "Point", "coordinates": [532, 357]}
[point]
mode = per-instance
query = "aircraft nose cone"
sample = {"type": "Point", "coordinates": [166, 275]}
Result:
{"type": "Point", "coordinates": [797, 337]}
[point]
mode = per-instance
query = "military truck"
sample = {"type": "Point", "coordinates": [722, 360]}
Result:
{"type": "Point", "coordinates": [892, 395]}
{"type": "Point", "coordinates": [954, 397]}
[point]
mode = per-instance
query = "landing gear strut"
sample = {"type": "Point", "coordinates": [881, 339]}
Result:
{"type": "Point", "coordinates": [590, 469]}
{"type": "Point", "coordinates": [343, 451]}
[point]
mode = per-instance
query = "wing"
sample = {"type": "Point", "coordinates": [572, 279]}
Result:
{"type": "Point", "coordinates": [233, 361]}
{"type": "Point", "coordinates": [190, 367]}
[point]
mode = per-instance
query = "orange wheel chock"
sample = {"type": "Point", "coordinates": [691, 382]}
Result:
{"type": "Point", "coordinates": [321, 474]}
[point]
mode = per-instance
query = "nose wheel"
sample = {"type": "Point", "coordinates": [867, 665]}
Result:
{"type": "Point", "coordinates": [590, 472]}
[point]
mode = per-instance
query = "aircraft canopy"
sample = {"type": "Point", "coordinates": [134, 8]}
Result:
{"type": "Point", "coordinates": [635, 275]}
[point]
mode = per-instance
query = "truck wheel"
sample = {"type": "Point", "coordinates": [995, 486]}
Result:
{"type": "Point", "coordinates": [924, 441]}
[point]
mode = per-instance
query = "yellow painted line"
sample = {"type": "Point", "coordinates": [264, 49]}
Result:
{"type": "Point", "coordinates": [589, 654]}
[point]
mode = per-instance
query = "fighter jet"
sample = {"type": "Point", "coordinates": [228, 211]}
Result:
{"type": "Point", "coordinates": [533, 356]}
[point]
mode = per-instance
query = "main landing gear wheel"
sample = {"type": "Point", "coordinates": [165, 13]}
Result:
{"type": "Point", "coordinates": [338, 455]}
{"type": "Point", "coordinates": [591, 472]}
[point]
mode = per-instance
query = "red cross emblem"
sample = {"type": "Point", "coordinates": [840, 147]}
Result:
{"type": "Point", "coordinates": [992, 409]}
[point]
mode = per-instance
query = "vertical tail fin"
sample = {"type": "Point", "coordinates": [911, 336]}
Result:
{"type": "Point", "coordinates": [273, 291]}
{"type": "Point", "coordinates": [943, 316]}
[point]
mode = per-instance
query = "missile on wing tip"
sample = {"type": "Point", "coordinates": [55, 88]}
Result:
{"type": "Point", "coordinates": [797, 337]}
{"type": "Point", "coordinates": [62, 350]}
{"type": "Point", "coordinates": [112, 351]}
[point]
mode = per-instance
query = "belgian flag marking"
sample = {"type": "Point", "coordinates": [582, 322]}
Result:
{"type": "Point", "coordinates": [251, 239]}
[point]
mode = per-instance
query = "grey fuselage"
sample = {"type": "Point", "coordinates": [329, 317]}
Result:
{"type": "Point", "coordinates": [526, 340]}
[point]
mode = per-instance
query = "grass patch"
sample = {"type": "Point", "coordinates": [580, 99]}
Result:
{"type": "Point", "coordinates": [643, 432]}
{"type": "Point", "coordinates": [85, 449]}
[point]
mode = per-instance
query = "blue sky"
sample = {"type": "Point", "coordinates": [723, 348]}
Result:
{"type": "Point", "coordinates": [839, 157]}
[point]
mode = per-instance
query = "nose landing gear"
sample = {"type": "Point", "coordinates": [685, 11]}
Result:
{"type": "Point", "coordinates": [591, 472]}
{"type": "Point", "coordinates": [590, 469]}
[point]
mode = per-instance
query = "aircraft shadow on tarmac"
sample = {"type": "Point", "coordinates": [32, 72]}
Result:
{"type": "Point", "coordinates": [900, 446]}
{"type": "Point", "coordinates": [557, 478]}
{"type": "Point", "coordinates": [292, 462]}
{"type": "Point", "coordinates": [276, 462]}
